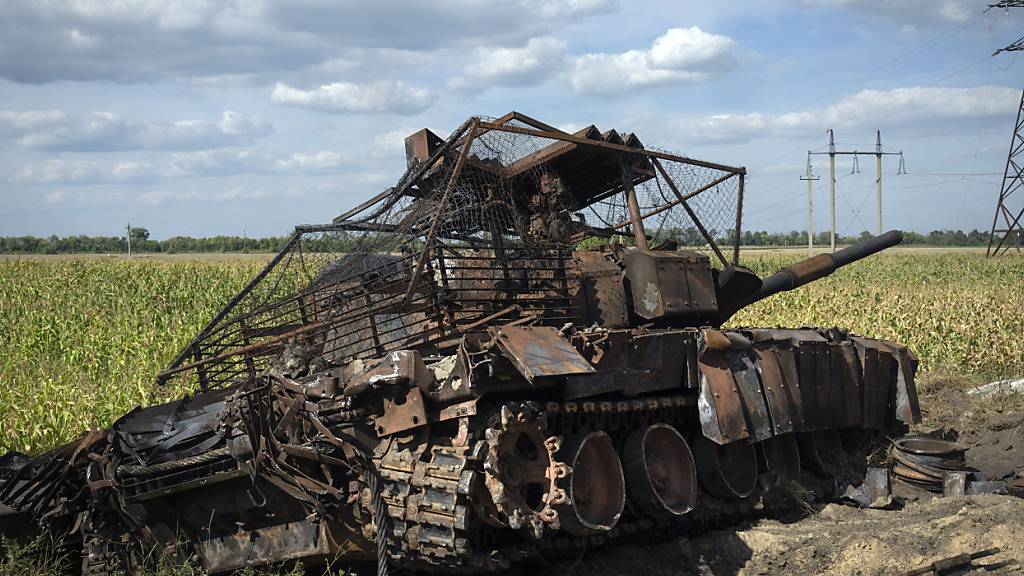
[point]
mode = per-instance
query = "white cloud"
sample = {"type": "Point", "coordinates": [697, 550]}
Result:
{"type": "Point", "coordinates": [924, 106]}
{"type": "Point", "coordinates": [392, 96]}
{"type": "Point", "coordinates": [692, 49]}
{"type": "Point", "coordinates": [180, 165]}
{"type": "Point", "coordinates": [162, 196]}
{"type": "Point", "coordinates": [566, 9]}
{"type": "Point", "coordinates": [151, 40]}
{"type": "Point", "coordinates": [56, 130]}
{"type": "Point", "coordinates": [908, 12]}
{"type": "Point", "coordinates": [392, 141]}
{"type": "Point", "coordinates": [62, 171]}
{"type": "Point", "coordinates": [320, 160]}
{"type": "Point", "coordinates": [524, 66]}
{"type": "Point", "coordinates": [679, 55]}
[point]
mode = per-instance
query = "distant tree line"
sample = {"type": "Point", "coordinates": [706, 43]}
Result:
{"type": "Point", "coordinates": [185, 244]}
{"type": "Point", "coordinates": [933, 238]}
{"type": "Point", "coordinates": [140, 243]}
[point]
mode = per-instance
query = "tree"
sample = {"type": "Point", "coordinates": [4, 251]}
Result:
{"type": "Point", "coordinates": [139, 235]}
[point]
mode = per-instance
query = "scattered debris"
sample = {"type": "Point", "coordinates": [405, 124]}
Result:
{"type": "Point", "coordinates": [948, 565]}
{"type": "Point", "coordinates": [875, 492]}
{"type": "Point", "coordinates": [997, 388]}
{"type": "Point", "coordinates": [923, 461]}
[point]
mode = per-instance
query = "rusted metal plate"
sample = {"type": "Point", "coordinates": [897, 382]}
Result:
{"type": "Point", "coordinates": [467, 408]}
{"type": "Point", "coordinates": [396, 368]}
{"type": "Point", "coordinates": [830, 408]}
{"type": "Point", "coordinates": [631, 362]}
{"type": "Point", "coordinates": [779, 397]}
{"type": "Point", "coordinates": [873, 397]}
{"type": "Point", "coordinates": [908, 410]}
{"type": "Point", "coordinates": [301, 539]}
{"type": "Point", "coordinates": [812, 372]}
{"type": "Point", "coordinates": [602, 294]}
{"type": "Point", "coordinates": [846, 370]}
{"type": "Point", "coordinates": [399, 417]}
{"type": "Point", "coordinates": [887, 368]}
{"type": "Point", "coordinates": [719, 405]}
{"type": "Point", "coordinates": [539, 351]}
{"type": "Point", "coordinates": [692, 371]}
{"type": "Point", "coordinates": [748, 384]}
{"type": "Point", "coordinates": [670, 284]}
{"type": "Point", "coordinates": [656, 362]}
{"type": "Point", "coordinates": [791, 376]}
{"type": "Point", "coordinates": [807, 373]}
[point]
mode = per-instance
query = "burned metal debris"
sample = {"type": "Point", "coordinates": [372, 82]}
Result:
{"type": "Point", "coordinates": [925, 462]}
{"type": "Point", "coordinates": [517, 348]}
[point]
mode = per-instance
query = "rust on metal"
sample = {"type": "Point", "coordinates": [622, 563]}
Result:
{"type": "Point", "coordinates": [539, 351]}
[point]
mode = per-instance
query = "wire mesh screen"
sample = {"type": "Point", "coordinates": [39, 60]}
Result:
{"type": "Point", "coordinates": [479, 231]}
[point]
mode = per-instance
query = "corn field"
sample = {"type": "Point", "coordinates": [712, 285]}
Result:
{"type": "Point", "coordinates": [83, 338]}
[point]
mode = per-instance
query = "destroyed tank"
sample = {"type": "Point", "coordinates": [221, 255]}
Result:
{"type": "Point", "coordinates": [516, 350]}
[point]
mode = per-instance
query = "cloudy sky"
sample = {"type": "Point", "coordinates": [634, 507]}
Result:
{"type": "Point", "coordinates": [205, 117]}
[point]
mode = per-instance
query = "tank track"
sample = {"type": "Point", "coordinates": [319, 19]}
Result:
{"type": "Point", "coordinates": [430, 509]}
{"type": "Point", "coordinates": [430, 500]}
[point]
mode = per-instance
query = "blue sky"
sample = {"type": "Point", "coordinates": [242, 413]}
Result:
{"type": "Point", "coordinates": [203, 117]}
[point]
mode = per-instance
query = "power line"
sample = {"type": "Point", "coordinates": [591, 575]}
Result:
{"type": "Point", "coordinates": [1013, 173]}
{"type": "Point", "coordinates": [878, 153]}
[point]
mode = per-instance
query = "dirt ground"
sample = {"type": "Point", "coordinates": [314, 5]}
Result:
{"type": "Point", "coordinates": [835, 539]}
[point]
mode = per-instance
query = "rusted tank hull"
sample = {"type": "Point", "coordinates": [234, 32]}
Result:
{"type": "Point", "coordinates": [443, 378]}
{"type": "Point", "coordinates": [281, 468]}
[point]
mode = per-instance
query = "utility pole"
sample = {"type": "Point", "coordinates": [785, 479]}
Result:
{"type": "Point", "coordinates": [832, 153]}
{"type": "Point", "coordinates": [810, 205]}
{"type": "Point", "coordinates": [878, 177]}
{"type": "Point", "coordinates": [129, 239]}
{"type": "Point", "coordinates": [832, 182]}
{"type": "Point", "coordinates": [1013, 173]}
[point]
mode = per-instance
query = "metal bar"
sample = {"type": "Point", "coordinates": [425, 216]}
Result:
{"type": "Point", "coordinates": [405, 183]}
{"type": "Point", "coordinates": [1011, 228]}
{"type": "Point", "coordinates": [636, 220]}
{"type": "Point", "coordinates": [609, 146]}
{"type": "Point", "coordinates": [239, 351]}
{"type": "Point", "coordinates": [739, 221]}
{"type": "Point", "coordinates": [696, 221]}
{"type": "Point", "coordinates": [237, 298]}
{"type": "Point", "coordinates": [503, 312]}
{"type": "Point", "coordinates": [441, 205]}
{"type": "Point", "coordinates": [1003, 189]}
{"type": "Point", "coordinates": [676, 202]}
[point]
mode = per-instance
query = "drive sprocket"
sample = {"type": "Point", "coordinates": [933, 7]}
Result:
{"type": "Point", "coordinates": [521, 470]}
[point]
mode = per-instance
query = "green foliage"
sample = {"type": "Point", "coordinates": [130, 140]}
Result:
{"type": "Point", "coordinates": [140, 244]}
{"type": "Point", "coordinates": [38, 557]}
{"type": "Point", "coordinates": [958, 312]}
{"type": "Point", "coordinates": [139, 234]}
{"type": "Point", "coordinates": [83, 339]}
{"type": "Point", "coordinates": [799, 238]}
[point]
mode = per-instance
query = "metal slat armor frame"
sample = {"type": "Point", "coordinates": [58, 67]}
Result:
{"type": "Point", "coordinates": [480, 231]}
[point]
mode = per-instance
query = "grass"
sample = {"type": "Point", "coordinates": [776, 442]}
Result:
{"type": "Point", "coordinates": [83, 338]}
{"type": "Point", "coordinates": [42, 557]}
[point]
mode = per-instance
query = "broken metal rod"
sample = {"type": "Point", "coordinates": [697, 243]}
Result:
{"type": "Point", "coordinates": [946, 565]}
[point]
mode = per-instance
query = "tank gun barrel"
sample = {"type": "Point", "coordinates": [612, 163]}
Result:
{"type": "Point", "coordinates": [822, 265]}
